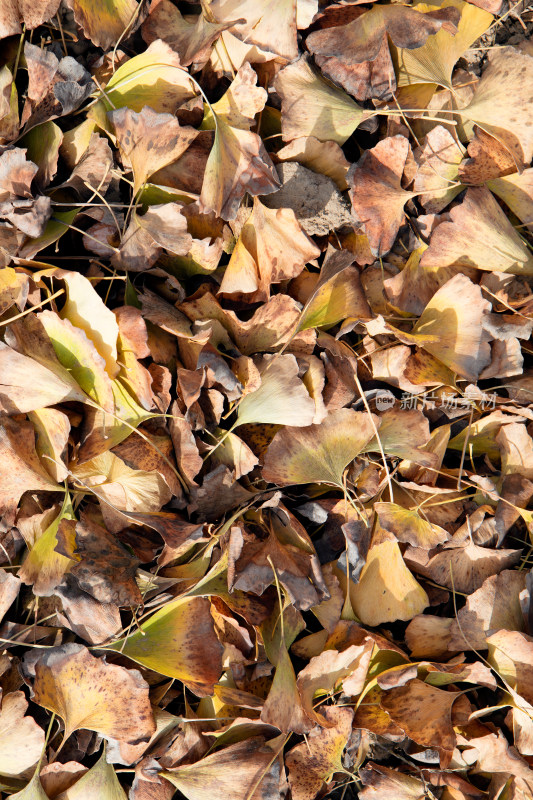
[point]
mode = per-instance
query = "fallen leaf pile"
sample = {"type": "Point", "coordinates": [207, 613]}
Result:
{"type": "Point", "coordinates": [266, 400]}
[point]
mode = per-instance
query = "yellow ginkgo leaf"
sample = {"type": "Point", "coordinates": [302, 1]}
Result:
{"type": "Point", "coordinates": [44, 566]}
{"type": "Point", "coordinates": [337, 295]}
{"type": "Point", "coordinates": [478, 235]}
{"type": "Point", "coordinates": [269, 25]}
{"type": "Point", "coordinates": [450, 327]}
{"type": "Point", "coordinates": [516, 191]}
{"type": "Point", "coordinates": [154, 78]}
{"type": "Point", "coordinates": [386, 590]}
{"type": "Point", "coordinates": [85, 309]}
{"type": "Point", "coordinates": [99, 783]}
{"type": "Point", "coordinates": [104, 22]}
{"type": "Point", "coordinates": [502, 103]}
{"type": "Point", "coordinates": [77, 353]}
{"type": "Point", "coordinates": [52, 427]}
{"type": "Point", "coordinates": [241, 771]}
{"type": "Point", "coordinates": [409, 526]}
{"type": "Point", "coordinates": [435, 60]}
{"type": "Point", "coordinates": [178, 641]}
{"type": "Point", "coordinates": [281, 399]}
{"type": "Point", "coordinates": [31, 355]}
{"type": "Point", "coordinates": [122, 487]}
{"type": "Point", "coordinates": [312, 107]}
{"type": "Point", "coordinates": [318, 453]}
{"type": "Point", "coordinates": [87, 693]}
{"type": "Point", "coordinates": [240, 104]}
{"type": "Point", "coordinates": [21, 739]}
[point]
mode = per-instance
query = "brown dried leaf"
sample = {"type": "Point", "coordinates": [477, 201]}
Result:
{"type": "Point", "coordinates": [149, 141]}
{"type": "Point", "coordinates": [376, 191]}
{"type": "Point", "coordinates": [88, 693]}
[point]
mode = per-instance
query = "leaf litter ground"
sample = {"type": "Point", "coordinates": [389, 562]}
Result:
{"type": "Point", "coordinates": [266, 393]}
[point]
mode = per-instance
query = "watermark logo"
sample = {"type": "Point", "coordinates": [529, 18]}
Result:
{"type": "Point", "coordinates": [448, 401]}
{"type": "Point", "coordinates": [384, 400]}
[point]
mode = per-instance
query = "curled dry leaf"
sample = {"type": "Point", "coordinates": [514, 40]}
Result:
{"type": "Point", "coordinates": [149, 141]}
{"type": "Point", "coordinates": [238, 163]}
{"type": "Point", "coordinates": [104, 23]}
{"type": "Point", "coordinates": [192, 41]}
{"type": "Point", "coordinates": [271, 248]}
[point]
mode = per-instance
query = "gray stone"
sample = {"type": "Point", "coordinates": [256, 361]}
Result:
{"type": "Point", "coordinates": [314, 198]}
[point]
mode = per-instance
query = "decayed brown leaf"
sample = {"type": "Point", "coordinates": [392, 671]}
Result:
{"type": "Point", "coordinates": [341, 50]}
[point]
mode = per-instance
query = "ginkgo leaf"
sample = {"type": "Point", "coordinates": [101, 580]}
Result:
{"type": "Point", "coordinates": [341, 49]}
{"type": "Point", "coordinates": [192, 41]}
{"type": "Point", "coordinates": [271, 248]}
{"type": "Point", "coordinates": [425, 714]}
{"type": "Point", "coordinates": [438, 168]}
{"type": "Point", "coordinates": [88, 693]}
{"type": "Point", "coordinates": [502, 105]}
{"type": "Point", "coordinates": [120, 486]}
{"type": "Point", "coordinates": [178, 641]}
{"type": "Point", "coordinates": [283, 706]}
{"type": "Point", "coordinates": [337, 295]}
{"type": "Point", "coordinates": [268, 329]}
{"type": "Point", "coordinates": [386, 591]}
{"type": "Point", "coordinates": [313, 763]}
{"type": "Point", "coordinates": [22, 470]}
{"type": "Point", "coordinates": [241, 103]}
{"type": "Point", "coordinates": [52, 428]}
{"type": "Point", "coordinates": [269, 25]}
{"type": "Point", "coordinates": [44, 566]}
{"type": "Point", "coordinates": [318, 453]}
{"type": "Point", "coordinates": [434, 60]}
{"type": "Point", "coordinates": [104, 23]}
{"type": "Point", "coordinates": [98, 783]}
{"type": "Point", "coordinates": [312, 107]}
{"type": "Point", "coordinates": [281, 399]}
{"type": "Point", "coordinates": [154, 78]}
{"type": "Point", "coordinates": [408, 526]}
{"type": "Point", "coordinates": [384, 783]}
{"type": "Point", "coordinates": [105, 569]}
{"type": "Point", "coordinates": [238, 163]}
{"type": "Point", "coordinates": [104, 431]}
{"type": "Point", "coordinates": [450, 327]}
{"type": "Point", "coordinates": [478, 235]}
{"type": "Point", "coordinates": [77, 354]}
{"type": "Point", "coordinates": [516, 191]}
{"type": "Point", "coordinates": [21, 739]}
{"type": "Point", "coordinates": [376, 191]}
{"type": "Point", "coordinates": [33, 790]}
{"type": "Point", "coordinates": [149, 141]}
{"type": "Point", "coordinates": [85, 309]}
{"type": "Point", "coordinates": [240, 771]}
{"type": "Point", "coordinates": [16, 12]}
{"type": "Point", "coordinates": [48, 386]}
